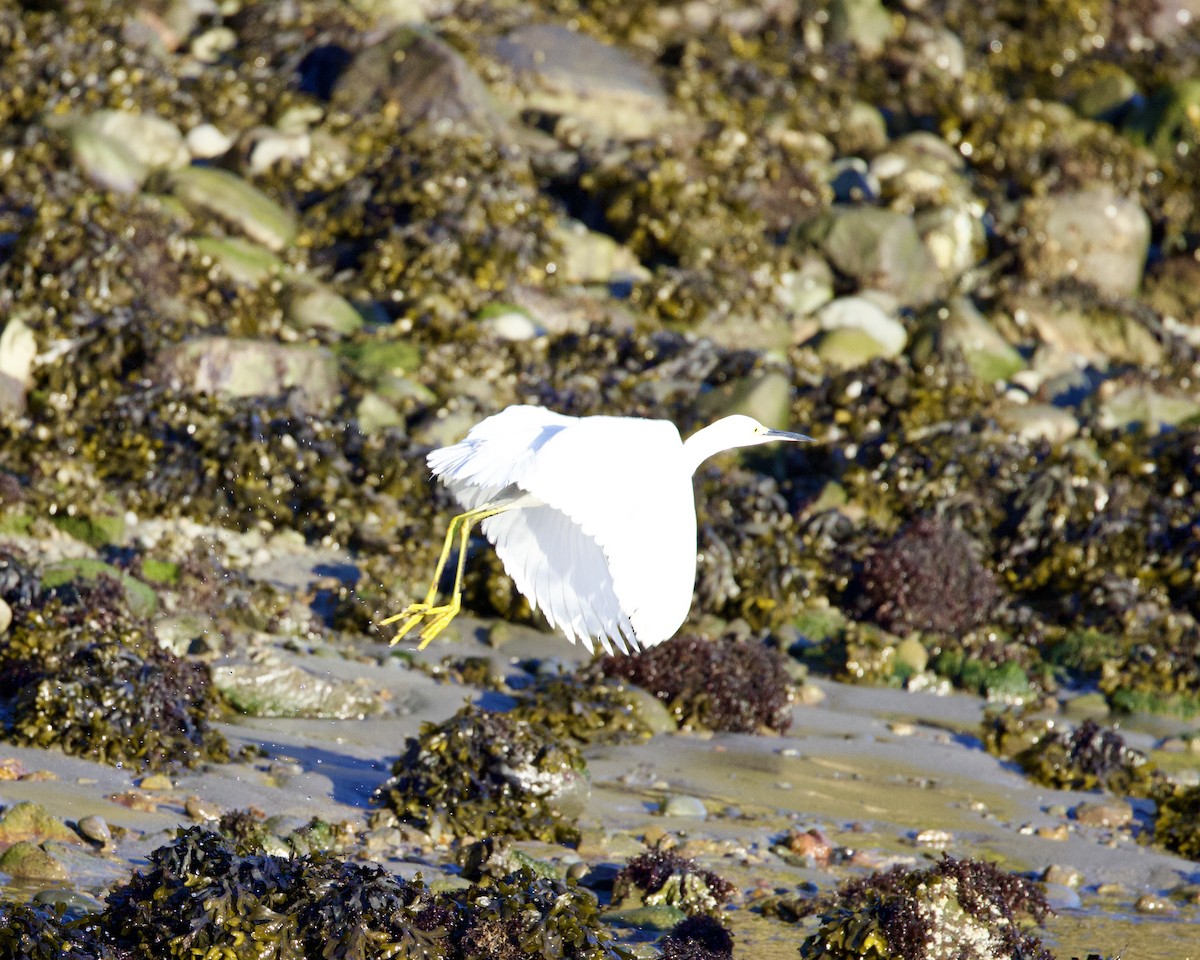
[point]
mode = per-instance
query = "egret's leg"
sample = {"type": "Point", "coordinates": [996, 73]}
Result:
{"type": "Point", "coordinates": [439, 617]}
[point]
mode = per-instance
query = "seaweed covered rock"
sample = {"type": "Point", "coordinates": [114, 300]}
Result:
{"type": "Point", "coordinates": [79, 672]}
{"type": "Point", "coordinates": [661, 876]}
{"type": "Point", "coordinates": [483, 773]}
{"type": "Point", "coordinates": [927, 577]}
{"type": "Point", "coordinates": [698, 938]}
{"type": "Point", "coordinates": [961, 909]}
{"type": "Point", "coordinates": [1090, 757]}
{"type": "Point", "coordinates": [721, 684]}
{"type": "Point", "coordinates": [585, 708]}
{"type": "Point", "coordinates": [1177, 827]}
{"type": "Point", "coordinates": [200, 897]}
{"type": "Point", "coordinates": [30, 932]}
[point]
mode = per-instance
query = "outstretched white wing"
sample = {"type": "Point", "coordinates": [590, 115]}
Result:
{"type": "Point", "coordinates": [606, 546]}
{"type": "Point", "coordinates": [564, 573]}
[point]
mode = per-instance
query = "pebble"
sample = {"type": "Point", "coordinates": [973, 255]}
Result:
{"type": "Point", "coordinates": [6, 616]}
{"type": "Point", "coordinates": [1057, 832]}
{"type": "Point", "coordinates": [1103, 813]}
{"type": "Point", "coordinates": [883, 249]}
{"type": "Point", "coordinates": [206, 142]}
{"type": "Point", "coordinates": [1062, 897]}
{"type": "Point", "coordinates": [864, 314]}
{"type": "Point", "coordinates": [95, 828]}
{"type": "Point", "coordinates": [934, 838]}
{"type": "Point", "coordinates": [1090, 235]}
{"type": "Point", "coordinates": [156, 782]}
{"type": "Point", "coordinates": [1153, 903]}
{"type": "Point", "coordinates": [1063, 875]}
{"type": "Point", "coordinates": [26, 860]}
{"type": "Point", "coordinates": [202, 810]}
{"type": "Point", "coordinates": [604, 89]}
{"type": "Point", "coordinates": [236, 202]}
{"type": "Point", "coordinates": [683, 805]}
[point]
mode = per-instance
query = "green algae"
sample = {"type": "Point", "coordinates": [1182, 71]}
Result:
{"type": "Point", "coordinates": [482, 773]}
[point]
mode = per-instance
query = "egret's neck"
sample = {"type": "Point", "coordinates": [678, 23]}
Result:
{"type": "Point", "coordinates": [703, 444]}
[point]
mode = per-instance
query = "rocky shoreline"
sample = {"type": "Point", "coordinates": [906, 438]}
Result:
{"type": "Point", "coordinates": [256, 259]}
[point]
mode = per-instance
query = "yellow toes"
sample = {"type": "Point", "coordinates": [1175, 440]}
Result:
{"type": "Point", "coordinates": [437, 619]}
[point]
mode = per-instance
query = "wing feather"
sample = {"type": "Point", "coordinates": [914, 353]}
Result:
{"type": "Point", "coordinates": [550, 560]}
{"type": "Point", "coordinates": [606, 548]}
{"type": "Point", "coordinates": [625, 484]}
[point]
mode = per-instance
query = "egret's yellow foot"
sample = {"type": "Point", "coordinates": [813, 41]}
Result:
{"type": "Point", "coordinates": [438, 619]}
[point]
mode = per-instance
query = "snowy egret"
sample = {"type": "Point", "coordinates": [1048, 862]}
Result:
{"type": "Point", "coordinates": [593, 518]}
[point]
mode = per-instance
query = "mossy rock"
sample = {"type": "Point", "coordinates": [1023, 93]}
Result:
{"type": "Point", "coordinates": [140, 598]}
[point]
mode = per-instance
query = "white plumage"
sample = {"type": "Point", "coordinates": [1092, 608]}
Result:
{"type": "Point", "coordinates": [593, 517]}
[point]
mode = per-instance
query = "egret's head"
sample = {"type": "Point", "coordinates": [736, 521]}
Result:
{"type": "Point", "coordinates": [729, 433]}
{"type": "Point", "coordinates": [742, 431]}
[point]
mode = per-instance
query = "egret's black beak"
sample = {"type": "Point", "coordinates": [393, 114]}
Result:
{"type": "Point", "coordinates": [784, 435]}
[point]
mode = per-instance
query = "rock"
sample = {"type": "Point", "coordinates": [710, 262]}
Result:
{"type": "Point", "coordinates": [118, 150]}
{"type": "Point", "coordinates": [510, 323]}
{"type": "Point", "coordinates": [921, 171]}
{"type": "Point", "coordinates": [236, 367]}
{"type": "Point", "coordinates": [1038, 421]}
{"type": "Point", "coordinates": [310, 306]}
{"type": "Point", "coordinates": [866, 24]}
{"type": "Point", "coordinates": [266, 147]}
{"type": "Point", "coordinates": [882, 249]}
{"type": "Point", "coordinates": [1087, 706]}
{"type": "Point", "coordinates": [912, 653]}
{"type": "Point", "coordinates": [651, 712]}
{"type": "Point", "coordinates": [961, 330]}
{"type": "Point", "coordinates": [1154, 904]}
{"type": "Point", "coordinates": [590, 257]}
{"type": "Point", "coordinates": [1061, 897]}
{"type": "Point", "coordinates": [1141, 404]}
{"type": "Point", "coordinates": [31, 821]}
{"type": "Point", "coordinates": [18, 349]}
{"type": "Point", "coordinates": [683, 805]}
{"type": "Point", "coordinates": [374, 414]}
{"type": "Point", "coordinates": [6, 617]}
{"type": "Point", "coordinates": [934, 837]}
{"type": "Point", "coordinates": [807, 288]}
{"type": "Point", "coordinates": [152, 141]}
{"type": "Point", "coordinates": [95, 828]}
{"type": "Point", "coordinates": [281, 690]}
{"type": "Point", "coordinates": [209, 45]}
{"type": "Point", "coordinates": [156, 783]}
{"type": "Point", "coordinates": [565, 73]}
{"type": "Point", "coordinates": [954, 235]}
{"type": "Point", "coordinates": [1090, 235]}
{"type": "Point", "coordinates": [140, 598]}
{"type": "Point", "coordinates": [206, 142]}
{"type": "Point", "coordinates": [243, 261]}
{"type": "Point", "coordinates": [1104, 92]}
{"type": "Point", "coordinates": [108, 163]}
{"type": "Point", "coordinates": [236, 202]}
{"type": "Point", "coordinates": [421, 78]}
{"type": "Point", "coordinates": [394, 11]}
{"type": "Point", "coordinates": [1063, 875]}
{"type": "Point", "coordinates": [25, 860]}
{"type": "Point", "coordinates": [865, 314]}
{"type": "Point", "coordinates": [660, 916]}
{"type": "Point", "coordinates": [202, 810]}
{"type": "Point", "coordinates": [1096, 335]}
{"type": "Point", "coordinates": [1113, 812]}
{"type": "Point", "coordinates": [179, 632]}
